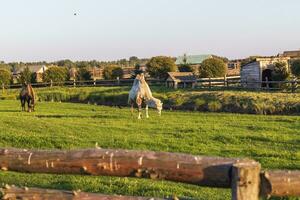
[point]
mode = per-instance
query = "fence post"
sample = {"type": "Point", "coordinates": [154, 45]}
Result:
{"type": "Point", "coordinates": [3, 87]}
{"type": "Point", "coordinates": [267, 83]}
{"type": "Point", "coordinates": [209, 83]}
{"type": "Point", "coordinates": [245, 180]}
{"type": "Point", "coordinates": [294, 85]}
{"type": "Point", "coordinates": [118, 80]}
{"type": "Point", "coordinates": [74, 83]}
{"type": "Point", "coordinates": [94, 82]}
{"type": "Point", "coordinates": [225, 80]}
{"type": "Point", "coordinates": [51, 83]}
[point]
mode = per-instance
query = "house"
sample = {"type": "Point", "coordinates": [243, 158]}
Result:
{"type": "Point", "coordinates": [37, 70]}
{"type": "Point", "coordinates": [233, 68]}
{"type": "Point", "coordinates": [96, 73]}
{"type": "Point", "coordinates": [292, 54]}
{"type": "Point", "coordinates": [128, 72]}
{"type": "Point", "coordinates": [181, 79]}
{"type": "Point", "coordinates": [260, 69]}
{"type": "Point", "coordinates": [193, 60]}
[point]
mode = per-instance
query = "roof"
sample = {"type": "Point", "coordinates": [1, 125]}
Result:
{"type": "Point", "coordinates": [182, 76]}
{"type": "Point", "coordinates": [192, 59]}
{"type": "Point", "coordinates": [268, 59]}
{"type": "Point", "coordinates": [292, 53]}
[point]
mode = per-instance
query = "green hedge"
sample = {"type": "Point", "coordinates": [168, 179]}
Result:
{"type": "Point", "coordinates": [210, 101]}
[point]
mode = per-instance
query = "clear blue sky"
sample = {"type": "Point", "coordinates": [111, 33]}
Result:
{"type": "Point", "coordinates": [36, 30]}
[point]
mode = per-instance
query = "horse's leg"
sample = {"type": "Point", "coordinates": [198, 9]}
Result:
{"type": "Point", "coordinates": [22, 104]}
{"type": "Point", "coordinates": [147, 108]}
{"type": "Point", "coordinates": [28, 105]}
{"type": "Point", "coordinates": [139, 102]}
{"type": "Point", "coordinates": [140, 111]}
{"type": "Point", "coordinates": [132, 109]}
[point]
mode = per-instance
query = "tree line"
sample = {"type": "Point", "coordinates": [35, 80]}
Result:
{"type": "Point", "coordinates": [157, 67]}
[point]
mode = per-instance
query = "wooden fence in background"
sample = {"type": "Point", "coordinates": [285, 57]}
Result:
{"type": "Point", "coordinates": [243, 176]}
{"type": "Point", "coordinates": [233, 82]}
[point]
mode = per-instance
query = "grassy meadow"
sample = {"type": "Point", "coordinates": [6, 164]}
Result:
{"type": "Point", "coordinates": [272, 140]}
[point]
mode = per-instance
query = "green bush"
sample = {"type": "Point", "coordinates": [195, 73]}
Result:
{"type": "Point", "coordinates": [5, 77]}
{"type": "Point", "coordinates": [212, 68]}
{"type": "Point", "coordinates": [227, 101]}
{"type": "Point", "coordinates": [280, 72]}
{"type": "Point", "coordinates": [112, 72]}
{"type": "Point", "coordinates": [295, 68]}
{"type": "Point", "coordinates": [83, 74]}
{"type": "Point", "coordinates": [55, 74]}
{"type": "Point", "coordinates": [158, 67]}
{"type": "Point", "coordinates": [200, 103]}
{"type": "Point", "coordinates": [214, 106]}
{"type": "Point", "coordinates": [26, 76]}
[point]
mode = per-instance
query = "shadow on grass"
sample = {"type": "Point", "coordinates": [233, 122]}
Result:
{"type": "Point", "coordinates": [10, 111]}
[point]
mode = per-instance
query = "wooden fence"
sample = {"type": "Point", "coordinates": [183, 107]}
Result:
{"type": "Point", "coordinates": [233, 82]}
{"type": "Point", "coordinates": [243, 176]}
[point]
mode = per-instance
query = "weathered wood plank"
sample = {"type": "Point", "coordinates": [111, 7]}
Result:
{"type": "Point", "coordinates": [198, 170]}
{"type": "Point", "coordinates": [280, 183]}
{"type": "Point", "coordinates": [13, 193]}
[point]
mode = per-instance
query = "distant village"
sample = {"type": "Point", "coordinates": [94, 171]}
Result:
{"type": "Point", "coordinates": [254, 68]}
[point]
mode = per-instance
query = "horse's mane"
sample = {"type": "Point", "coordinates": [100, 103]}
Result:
{"type": "Point", "coordinates": [146, 87]}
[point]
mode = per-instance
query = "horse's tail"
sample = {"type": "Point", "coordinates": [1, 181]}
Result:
{"type": "Point", "coordinates": [31, 93]}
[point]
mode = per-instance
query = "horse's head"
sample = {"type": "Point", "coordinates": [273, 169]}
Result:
{"type": "Point", "coordinates": [156, 103]}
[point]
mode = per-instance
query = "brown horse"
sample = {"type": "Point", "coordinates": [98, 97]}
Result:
{"type": "Point", "coordinates": [27, 95]}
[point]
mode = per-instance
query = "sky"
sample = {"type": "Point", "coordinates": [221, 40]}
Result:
{"type": "Point", "coordinates": [48, 30]}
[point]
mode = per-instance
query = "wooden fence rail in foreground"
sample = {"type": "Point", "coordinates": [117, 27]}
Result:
{"type": "Point", "coordinates": [241, 175]}
{"type": "Point", "coordinates": [14, 193]}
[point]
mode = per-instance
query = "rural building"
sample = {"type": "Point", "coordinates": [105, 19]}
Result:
{"type": "Point", "coordinates": [128, 72]}
{"type": "Point", "coordinates": [96, 73]}
{"type": "Point", "coordinates": [259, 70]}
{"type": "Point", "coordinates": [181, 79]}
{"type": "Point", "coordinates": [193, 60]}
{"type": "Point", "coordinates": [233, 68]}
{"type": "Point", "coordinates": [292, 54]}
{"type": "Point", "coordinates": [37, 70]}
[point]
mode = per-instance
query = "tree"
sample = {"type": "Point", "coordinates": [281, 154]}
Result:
{"type": "Point", "coordinates": [159, 67]}
{"type": "Point", "coordinates": [56, 74]}
{"type": "Point", "coordinates": [83, 74]}
{"type": "Point", "coordinates": [117, 72]}
{"type": "Point", "coordinates": [5, 77]}
{"type": "Point", "coordinates": [3, 65]}
{"type": "Point", "coordinates": [295, 68]}
{"type": "Point", "coordinates": [65, 63]}
{"type": "Point", "coordinates": [26, 76]}
{"type": "Point", "coordinates": [280, 72]}
{"type": "Point", "coordinates": [112, 72]}
{"type": "Point", "coordinates": [133, 60]}
{"type": "Point", "coordinates": [212, 68]}
{"type": "Point", "coordinates": [186, 68]}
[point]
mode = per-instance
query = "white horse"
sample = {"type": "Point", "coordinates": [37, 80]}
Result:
{"type": "Point", "coordinates": [139, 93]}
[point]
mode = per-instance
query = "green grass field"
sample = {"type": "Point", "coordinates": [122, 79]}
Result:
{"type": "Point", "coordinates": [272, 140]}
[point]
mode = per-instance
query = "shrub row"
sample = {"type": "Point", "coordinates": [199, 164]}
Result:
{"type": "Point", "coordinates": [210, 101]}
